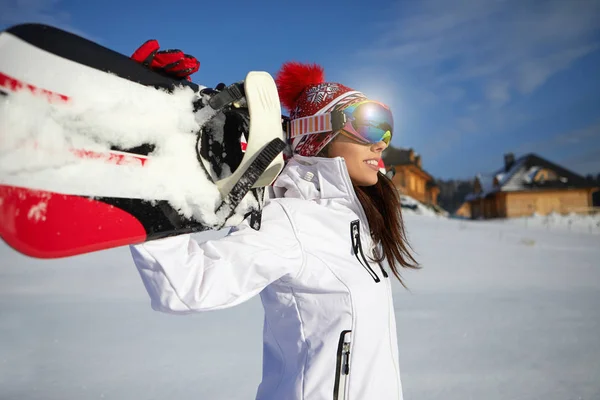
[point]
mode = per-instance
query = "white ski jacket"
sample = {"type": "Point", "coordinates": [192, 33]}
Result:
{"type": "Point", "coordinates": [330, 330]}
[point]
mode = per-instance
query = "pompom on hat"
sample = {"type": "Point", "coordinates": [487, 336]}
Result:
{"type": "Point", "coordinates": [304, 92]}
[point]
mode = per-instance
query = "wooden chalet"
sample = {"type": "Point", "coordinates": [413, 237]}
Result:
{"type": "Point", "coordinates": [410, 178]}
{"type": "Point", "coordinates": [528, 185]}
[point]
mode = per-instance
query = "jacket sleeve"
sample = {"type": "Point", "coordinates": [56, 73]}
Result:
{"type": "Point", "coordinates": [182, 275]}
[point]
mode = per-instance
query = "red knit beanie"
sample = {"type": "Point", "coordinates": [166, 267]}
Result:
{"type": "Point", "coordinates": [304, 92]}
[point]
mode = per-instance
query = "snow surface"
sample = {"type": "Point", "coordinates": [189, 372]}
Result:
{"type": "Point", "coordinates": [499, 311]}
{"type": "Point", "coordinates": [581, 223]}
{"type": "Point", "coordinates": [415, 207]}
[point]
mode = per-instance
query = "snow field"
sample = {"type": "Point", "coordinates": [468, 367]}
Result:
{"type": "Point", "coordinates": [498, 311]}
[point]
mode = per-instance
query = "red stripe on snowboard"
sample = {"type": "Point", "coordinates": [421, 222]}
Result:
{"type": "Point", "coordinates": [49, 225]}
{"type": "Point", "coordinates": [112, 157]}
{"type": "Point", "coordinates": [15, 85]}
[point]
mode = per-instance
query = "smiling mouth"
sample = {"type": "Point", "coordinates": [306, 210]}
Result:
{"type": "Point", "coordinates": [373, 164]}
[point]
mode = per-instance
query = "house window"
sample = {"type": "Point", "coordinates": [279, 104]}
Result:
{"type": "Point", "coordinates": [544, 175]}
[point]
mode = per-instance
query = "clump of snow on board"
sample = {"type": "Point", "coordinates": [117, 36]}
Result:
{"type": "Point", "coordinates": [37, 139]}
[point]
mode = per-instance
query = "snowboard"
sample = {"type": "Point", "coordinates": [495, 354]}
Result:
{"type": "Point", "coordinates": [99, 151]}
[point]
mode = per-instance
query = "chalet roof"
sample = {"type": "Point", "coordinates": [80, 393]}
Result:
{"type": "Point", "coordinates": [486, 182]}
{"type": "Point", "coordinates": [520, 177]}
{"type": "Point", "coordinates": [393, 156]}
{"type": "Point", "coordinates": [396, 156]}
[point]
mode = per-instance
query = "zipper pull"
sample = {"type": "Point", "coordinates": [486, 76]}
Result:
{"type": "Point", "coordinates": [355, 235]}
{"type": "Point", "coordinates": [346, 359]}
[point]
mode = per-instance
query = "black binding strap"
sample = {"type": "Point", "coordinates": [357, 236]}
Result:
{"type": "Point", "coordinates": [149, 59]}
{"type": "Point", "coordinates": [227, 96]}
{"type": "Point", "coordinates": [249, 177]}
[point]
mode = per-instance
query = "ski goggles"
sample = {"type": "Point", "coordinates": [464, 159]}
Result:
{"type": "Point", "coordinates": [367, 122]}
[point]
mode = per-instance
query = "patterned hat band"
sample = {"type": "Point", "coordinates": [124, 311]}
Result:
{"type": "Point", "coordinates": [323, 121]}
{"type": "Point", "coordinates": [309, 135]}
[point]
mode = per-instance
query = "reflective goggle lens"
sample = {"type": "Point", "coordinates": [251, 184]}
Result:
{"type": "Point", "coordinates": [369, 121]}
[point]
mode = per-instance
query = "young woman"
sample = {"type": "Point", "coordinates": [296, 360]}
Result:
{"type": "Point", "coordinates": [331, 237]}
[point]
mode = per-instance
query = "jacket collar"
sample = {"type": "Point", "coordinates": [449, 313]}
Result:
{"type": "Point", "coordinates": [315, 178]}
{"type": "Point", "coordinates": [324, 181]}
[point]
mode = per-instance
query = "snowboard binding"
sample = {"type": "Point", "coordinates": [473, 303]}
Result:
{"type": "Point", "coordinates": [236, 145]}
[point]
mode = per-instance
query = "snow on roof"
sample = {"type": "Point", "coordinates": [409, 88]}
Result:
{"type": "Point", "coordinates": [503, 178]}
{"type": "Point", "coordinates": [521, 175]}
{"type": "Point", "coordinates": [487, 183]}
{"type": "Point", "coordinates": [509, 176]}
{"type": "Point", "coordinates": [530, 174]}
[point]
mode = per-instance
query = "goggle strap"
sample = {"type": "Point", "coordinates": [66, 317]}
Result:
{"type": "Point", "coordinates": [313, 124]}
{"type": "Point", "coordinates": [327, 122]}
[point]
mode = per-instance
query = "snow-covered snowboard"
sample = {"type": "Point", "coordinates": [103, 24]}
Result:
{"type": "Point", "coordinates": [98, 151]}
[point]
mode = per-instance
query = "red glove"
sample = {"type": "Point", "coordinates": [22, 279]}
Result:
{"type": "Point", "coordinates": [173, 63]}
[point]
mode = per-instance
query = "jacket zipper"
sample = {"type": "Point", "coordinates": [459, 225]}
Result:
{"type": "Point", "coordinates": [357, 248]}
{"type": "Point", "coordinates": [342, 368]}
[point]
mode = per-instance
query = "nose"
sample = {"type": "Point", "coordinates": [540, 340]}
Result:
{"type": "Point", "coordinates": [379, 146]}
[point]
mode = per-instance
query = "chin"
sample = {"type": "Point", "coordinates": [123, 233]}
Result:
{"type": "Point", "coordinates": [366, 180]}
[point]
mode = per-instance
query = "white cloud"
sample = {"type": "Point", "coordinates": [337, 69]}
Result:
{"type": "Point", "coordinates": [524, 42]}
{"type": "Point", "coordinates": [455, 93]}
{"type": "Point", "coordinates": [443, 144]}
{"type": "Point", "coordinates": [467, 124]}
{"type": "Point", "coordinates": [535, 72]}
{"type": "Point", "coordinates": [497, 92]}
{"type": "Point", "coordinates": [587, 137]}
{"type": "Point", "coordinates": [426, 97]}
{"type": "Point", "coordinates": [474, 107]}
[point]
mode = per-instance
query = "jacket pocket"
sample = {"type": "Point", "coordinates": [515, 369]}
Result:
{"type": "Point", "coordinates": [342, 367]}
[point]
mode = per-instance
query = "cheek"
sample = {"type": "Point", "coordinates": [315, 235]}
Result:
{"type": "Point", "coordinates": [357, 168]}
{"type": "Point", "coordinates": [353, 162]}
{"type": "Point", "coordinates": [353, 155]}
{"type": "Point", "coordinates": [356, 162]}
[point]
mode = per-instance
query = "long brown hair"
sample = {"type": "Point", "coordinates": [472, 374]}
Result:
{"type": "Point", "coordinates": [381, 203]}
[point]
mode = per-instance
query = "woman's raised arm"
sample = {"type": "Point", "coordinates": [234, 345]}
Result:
{"type": "Point", "coordinates": [183, 276]}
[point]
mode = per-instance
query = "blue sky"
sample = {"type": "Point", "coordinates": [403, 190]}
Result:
{"type": "Point", "coordinates": [467, 80]}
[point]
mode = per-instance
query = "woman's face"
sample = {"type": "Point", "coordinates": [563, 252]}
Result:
{"type": "Point", "coordinates": [362, 160]}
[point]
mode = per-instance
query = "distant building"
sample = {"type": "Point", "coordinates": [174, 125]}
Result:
{"type": "Point", "coordinates": [410, 177]}
{"type": "Point", "coordinates": [464, 210]}
{"type": "Point", "coordinates": [528, 185]}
